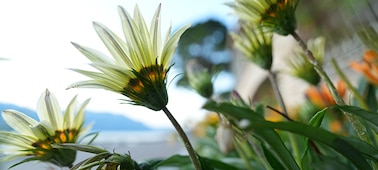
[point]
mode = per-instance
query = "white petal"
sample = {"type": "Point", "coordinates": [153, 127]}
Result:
{"type": "Point", "coordinates": [156, 31]}
{"type": "Point", "coordinates": [48, 109]}
{"type": "Point", "coordinates": [136, 42]}
{"type": "Point", "coordinates": [103, 79]}
{"type": "Point", "coordinates": [69, 113]}
{"type": "Point", "coordinates": [170, 45]}
{"type": "Point", "coordinates": [116, 46]}
{"type": "Point", "coordinates": [19, 121]}
{"type": "Point", "coordinates": [79, 118]}
{"type": "Point", "coordinates": [17, 140]}
{"type": "Point", "coordinates": [93, 55]}
{"type": "Point", "coordinates": [93, 84]}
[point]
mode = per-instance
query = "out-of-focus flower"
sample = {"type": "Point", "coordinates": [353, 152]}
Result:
{"type": "Point", "coordinates": [211, 120]}
{"type": "Point", "coordinates": [368, 67]}
{"type": "Point", "coordinates": [301, 67]}
{"type": "Point", "coordinates": [225, 136]}
{"type": "Point", "coordinates": [34, 139]}
{"type": "Point", "coordinates": [140, 63]}
{"type": "Point", "coordinates": [275, 15]}
{"type": "Point", "coordinates": [200, 78]}
{"type": "Point", "coordinates": [256, 45]}
{"type": "Point", "coordinates": [322, 97]}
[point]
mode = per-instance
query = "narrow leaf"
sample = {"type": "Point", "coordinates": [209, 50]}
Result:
{"type": "Point", "coordinates": [332, 140]}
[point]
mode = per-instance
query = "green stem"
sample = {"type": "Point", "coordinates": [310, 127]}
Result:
{"type": "Point", "coordinates": [273, 82]}
{"type": "Point", "coordinates": [356, 94]}
{"type": "Point", "coordinates": [355, 122]}
{"type": "Point", "coordinates": [180, 131]}
{"type": "Point", "coordinates": [242, 154]}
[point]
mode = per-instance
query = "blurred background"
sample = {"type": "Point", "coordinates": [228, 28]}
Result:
{"type": "Point", "coordinates": [35, 39]}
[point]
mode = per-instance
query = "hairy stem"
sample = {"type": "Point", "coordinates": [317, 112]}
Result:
{"type": "Point", "coordinates": [355, 122]}
{"type": "Point", "coordinates": [184, 138]}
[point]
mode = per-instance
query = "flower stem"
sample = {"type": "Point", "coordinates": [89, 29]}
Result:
{"type": "Point", "coordinates": [180, 131]}
{"type": "Point", "coordinates": [355, 122]}
{"type": "Point", "coordinates": [273, 82]}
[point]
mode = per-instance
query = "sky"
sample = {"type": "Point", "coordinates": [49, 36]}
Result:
{"type": "Point", "coordinates": [36, 36]}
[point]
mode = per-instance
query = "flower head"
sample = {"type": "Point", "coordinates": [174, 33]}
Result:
{"type": "Point", "coordinates": [35, 139]}
{"type": "Point", "coordinates": [140, 63]}
{"type": "Point", "coordinates": [275, 15]}
{"type": "Point", "coordinates": [256, 45]}
{"type": "Point", "coordinates": [301, 67]}
{"type": "Point", "coordinates": [368, 67]}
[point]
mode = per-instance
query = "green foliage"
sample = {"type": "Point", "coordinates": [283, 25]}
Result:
{"type": "Point", "coordinates": [359, 154]}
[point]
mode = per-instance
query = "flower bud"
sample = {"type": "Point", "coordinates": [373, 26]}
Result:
{"type": "Point", "coordinates": [200, 78]}
{"type": "Point", "coordinates": [225, 137]}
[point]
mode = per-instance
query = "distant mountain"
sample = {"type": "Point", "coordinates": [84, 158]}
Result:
{"type": "Point", "coordinates": [102, 121]}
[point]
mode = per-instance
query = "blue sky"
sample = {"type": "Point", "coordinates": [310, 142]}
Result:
{"type": "Point", "coordinates": [35, 37]}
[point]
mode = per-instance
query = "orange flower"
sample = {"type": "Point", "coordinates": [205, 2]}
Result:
{"type": "Point", "coordinates": [322, 97]}
{"type": "Point", "coordinates": [368, 67]}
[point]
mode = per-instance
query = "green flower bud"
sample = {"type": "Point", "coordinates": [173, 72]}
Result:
{"type": "Point", "coordinates": [303, 69]}
{"type": "Point", "coordinates": [200, 78]}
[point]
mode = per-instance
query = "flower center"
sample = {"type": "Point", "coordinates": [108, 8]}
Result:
{"type": "Point", "coordinates": [148, 87]}
{"type": "Point", "coordinates": [44, 146]}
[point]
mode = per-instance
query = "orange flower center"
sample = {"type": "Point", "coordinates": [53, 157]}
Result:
{"type": "Point", "coordinates": [42, 147]}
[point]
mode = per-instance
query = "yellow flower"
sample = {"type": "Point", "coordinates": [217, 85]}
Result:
{"type": "Point", "coordinates": [140, 63]}
{"type": "Point", "coordinates": [34, 139]}
{"type": "Point", "coordinates": [369, 66]}
{"type": "Point", "coordinates": [256, 45]}
{"type": "Point", "coordinates": [275, 15]}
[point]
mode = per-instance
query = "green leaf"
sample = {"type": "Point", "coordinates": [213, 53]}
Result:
{"type": "Point", "coordinates": [273, 162]}
{"type": "Point", "coordinates": [268, 135]}
{"type": "Point", "coordinates": [208, 163]}
{"type": "Point", "coordinates": [79, 147]}
{"type": "Point", "coordinates": [174, 161]}
{"type": "Point", "coordinates": [23, 161]}
{"type": "Point", "coordinates": [315, 121]}
{"type": "Point", "coordinates": [320, 135]}
{"type": "Point", "coordinates": [181, 161]}
{"type": "Point", "coordinates": [92, 161]}
{"type": "Point", "coordinates": [332, 140]}
{"type": "Point", "coordinates": [369, 116]}
{"type": "Point", "coordinates": [371, 98]}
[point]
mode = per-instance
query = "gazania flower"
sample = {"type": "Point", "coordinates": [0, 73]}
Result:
{"type": "Point", "coordinates": [321, 96]}
{"type": "Point", "coordinates": [368, 67]}
{"type": "Point", "coordinates": [300, 67]}
{"type": "Point", "coordinates": [34, 139]}
{"type": "Point", "coordinates": [140, 62]}
{"type": "Point", "coordinates": [256, 45]}
{"type": "Point", "coordinates": [275, 15]}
